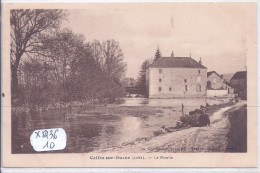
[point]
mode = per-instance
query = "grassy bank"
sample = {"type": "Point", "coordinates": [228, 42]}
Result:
{"type": "Point", "coordinates": [214, 108]}
{"type": "Point", "coordinates": [237, 135]}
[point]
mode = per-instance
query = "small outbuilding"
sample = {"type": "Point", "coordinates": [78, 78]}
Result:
{"type": "Point", "coordinates": [215, 81]}
{"type": "Point", "coordinates": [239, 83]}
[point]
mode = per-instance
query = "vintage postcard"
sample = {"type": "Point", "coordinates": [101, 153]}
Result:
{"type": "Point", "coordinates": [151, 84]}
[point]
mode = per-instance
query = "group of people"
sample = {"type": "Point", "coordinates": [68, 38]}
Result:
{"type": "Point", "coordinates": [197, 117]}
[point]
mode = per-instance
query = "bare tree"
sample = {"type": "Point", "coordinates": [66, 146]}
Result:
{"type": "Point", "coordinates": [113, 65]}
{"type": "Point", "coordinates": [97, 51]}
{"type": "Point", "coordinates": [26, 28]}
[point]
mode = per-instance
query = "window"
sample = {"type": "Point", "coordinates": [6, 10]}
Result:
{"type": "Point", "coordinates": [160, 80]}
{"type": "Point", "coordinates": [160, 70]}
{"type": "Point", "coordinates": [199, 71]}
{"type": "Point", "coordinates": [185, 80]}
{"type": "Point", "coordinates": [186, 87]}
{"type": "Point", "coordinates": [199, 79]}
{"type": "Point", "coordinates": [198, 88]}
{"type": "Point", "coordinates": [160, 88]}
{"type": "Point", "coordinates": [170, 88]}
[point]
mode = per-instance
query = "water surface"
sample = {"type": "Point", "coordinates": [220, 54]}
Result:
{"type": "Point", "coordinates": [91, 132]}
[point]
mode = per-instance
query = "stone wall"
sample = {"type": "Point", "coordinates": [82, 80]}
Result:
{"type": "Point", "coordinates": [216, 93]}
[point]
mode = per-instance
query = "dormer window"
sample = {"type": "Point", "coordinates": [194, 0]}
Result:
{"type": "Point", "coordinates": [160, 80]}
{"type": "Point", "coordinates": [160, 70]}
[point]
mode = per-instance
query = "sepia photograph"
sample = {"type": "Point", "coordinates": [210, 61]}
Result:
{"type": "Point", "coordinates": [156, 78]}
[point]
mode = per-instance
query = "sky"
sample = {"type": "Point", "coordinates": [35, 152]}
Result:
{"type": "Point", "coordinates": [222, 34]}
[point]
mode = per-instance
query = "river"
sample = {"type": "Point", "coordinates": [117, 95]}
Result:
{"type": "Point", "coordinates": [90, 132]}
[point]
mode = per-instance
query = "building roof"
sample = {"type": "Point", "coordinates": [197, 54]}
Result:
{"type": "Point", "coordinates": [211, 72]}
{"type": "Point", "coordinates": [176, 62]}
{"type": "Point", "coordinates": [239, 75]}
{"type": "Point", "coordinates": [227, 76]}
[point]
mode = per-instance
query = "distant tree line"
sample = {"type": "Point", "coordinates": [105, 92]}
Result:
{"type": "Point", "coordinates": [49, 64]}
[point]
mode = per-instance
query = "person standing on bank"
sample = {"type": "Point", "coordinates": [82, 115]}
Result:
{"type": "Point", "coordinates": [182, 109]}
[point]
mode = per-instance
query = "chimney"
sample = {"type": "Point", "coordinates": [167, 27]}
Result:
{"type": "Point", "coordinates": [200, 61]}
{"type": "Point", "coordinates": [172, 55]}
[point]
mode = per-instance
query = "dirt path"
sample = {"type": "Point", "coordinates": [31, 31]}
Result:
{"type": "Point", "coordinates": [196, 139]}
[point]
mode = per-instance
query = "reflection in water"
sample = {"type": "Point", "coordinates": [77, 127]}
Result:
{"type": "Point", "coordinates": [89, 132]}
{"type": "Point", "coordinates": [130, 129]}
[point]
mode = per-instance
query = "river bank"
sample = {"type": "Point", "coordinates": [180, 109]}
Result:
{"type": "Point", "coordinates": [211, 138]}
{"type": "Point", "coordinates": [237, 134]}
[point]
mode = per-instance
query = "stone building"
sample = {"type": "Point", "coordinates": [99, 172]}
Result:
{"type": "Point", "coordinates": [215, 81]}
{"type": "Point", "coordinates": [170, 77]}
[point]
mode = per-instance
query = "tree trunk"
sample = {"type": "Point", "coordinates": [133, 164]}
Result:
{"type": "Point", "coordinates": [14, 81]}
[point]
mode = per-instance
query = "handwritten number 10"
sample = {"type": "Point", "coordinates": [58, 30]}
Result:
{"type": "Point", "coordinates": [49, 146]}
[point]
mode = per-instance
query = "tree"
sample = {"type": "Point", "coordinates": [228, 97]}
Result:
{"type": "Point", "coordinates": [141, 82]}
{"type": "Point", "coordinates": [86, 74]}
{"type": "Point", "coordinates": [61, 49]}
{"type": "Point", "coordinates": [157, 54]}
{"type": "Point", "coordinates": [113, 64]}
{"type": "Point", "coordinates": [36, 82]}
{"type": "Point", "coordinates": [89, 78]}
{"type": "Point", "coordinates": [97, 51]}
{"type": "Point", "coordinates": [26, 28]}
